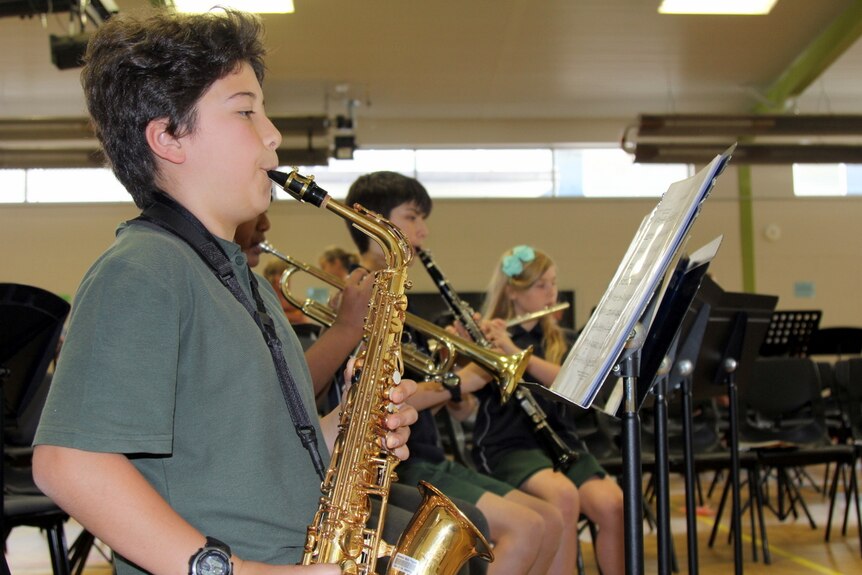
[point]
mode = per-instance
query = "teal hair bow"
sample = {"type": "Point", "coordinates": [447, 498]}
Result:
{"type": "Point", "coordinates": [513, 264]}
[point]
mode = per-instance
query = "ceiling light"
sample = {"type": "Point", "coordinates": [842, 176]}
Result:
{"type": "Point", "coordinates": [741, 7]}
{"type": "Point", "coordinates": [259, 6]}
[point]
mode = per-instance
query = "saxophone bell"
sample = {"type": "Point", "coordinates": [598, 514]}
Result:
{"type": "Point", "coordinates": [437, 523]}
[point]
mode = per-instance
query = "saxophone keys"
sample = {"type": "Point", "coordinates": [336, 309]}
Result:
{"type": "Point", "coordinates": [385, 549]}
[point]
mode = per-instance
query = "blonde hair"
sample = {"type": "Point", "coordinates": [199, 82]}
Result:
{"type": "Point", "coordinates": [498, 305]}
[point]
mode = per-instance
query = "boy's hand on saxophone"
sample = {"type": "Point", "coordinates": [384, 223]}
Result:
{"type": "Point", "coordinates": [402, 417]}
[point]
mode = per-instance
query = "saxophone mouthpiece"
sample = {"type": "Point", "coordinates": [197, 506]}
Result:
{"type": "Point", "coordinates": [300, 187]}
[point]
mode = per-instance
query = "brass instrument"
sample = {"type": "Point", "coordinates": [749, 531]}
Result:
{"type": "Point", "coordinates": [507, 370]}
{"type": "Point", "coordinates": [440, 538]}
{"type": "Point", "coordinates": [562, 455]}
{"type": "Point", "coordinates": [518, 320]}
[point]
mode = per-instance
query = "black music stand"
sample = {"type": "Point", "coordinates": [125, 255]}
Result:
{"type": "Point", "coordinates": [657, 358]}
{"type": "Point", "coordinates": [32, 320]}
{"type": "Point", "coordinates": [680, 376]}
{"type": "Point", "coordinates": [836, 341]}
{"type": "Point", "coordinates": [736, 328]}
{"type": "Point", "coordinates": [612, 340]}
{"type": "Point", "coordinates": [790, 332]}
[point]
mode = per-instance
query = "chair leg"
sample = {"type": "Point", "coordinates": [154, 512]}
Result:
{"type": "Point", "coordinates": [752, 513]}
{"type": "Point", "coordinates": [854, 483]}
{"type": "Point", "coordinates": [758, 503]}
{"type": "Point", "coordinates": [833, 492]}
{"type": "Point", "coordinates": [79, 551]}
{"type": "Point", "coordinates": [794, 496]}
{"type": "Point", "coordinates": [57, 545]}
{"type": "Point", "coordinates": [719, 513]}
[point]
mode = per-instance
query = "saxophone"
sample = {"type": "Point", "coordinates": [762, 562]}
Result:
{"type": "Point", "coordinates": [439, 538]}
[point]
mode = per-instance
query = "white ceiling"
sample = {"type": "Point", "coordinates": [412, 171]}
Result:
{"type": "Point", "coordinates": [492, 60]}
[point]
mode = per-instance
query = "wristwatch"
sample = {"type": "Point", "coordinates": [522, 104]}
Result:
{"type": "Point", "coordinates": [452, 383]}
{"type": "Point", "coordinates": [211, 559]}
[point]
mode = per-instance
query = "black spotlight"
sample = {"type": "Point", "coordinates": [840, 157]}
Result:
{"type": "Point", "coordinates": [68, 51]}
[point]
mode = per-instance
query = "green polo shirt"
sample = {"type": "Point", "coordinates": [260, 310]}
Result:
{"type": "Point", "coordinates": [163, 364]}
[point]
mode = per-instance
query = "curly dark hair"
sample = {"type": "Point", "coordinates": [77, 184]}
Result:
{"type": "Point", "coordinates": [158, 64]}
{"type": "Point", "coordinates": [382, 192]}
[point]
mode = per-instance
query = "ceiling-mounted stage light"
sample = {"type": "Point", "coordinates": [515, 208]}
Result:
{"type": "Point", "coordinates": [68, 51]}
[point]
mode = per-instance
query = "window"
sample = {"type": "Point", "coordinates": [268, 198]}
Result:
{"type": "Point", "coordinates": [74, 185]}
{"type": "Point", "coordinates": [827, 179]}
{"type": "Point", "coordinates": [12, 185]}
{"type": "Point", "coordinates": [446, 173]}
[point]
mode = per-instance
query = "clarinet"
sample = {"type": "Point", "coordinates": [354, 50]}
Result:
{"type": "Point", "coordinates": [561, 454]}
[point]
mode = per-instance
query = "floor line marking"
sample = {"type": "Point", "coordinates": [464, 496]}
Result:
{"type": "Point", "coordinates": [779, 551]}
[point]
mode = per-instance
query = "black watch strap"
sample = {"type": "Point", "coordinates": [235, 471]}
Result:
{"type": "Point", "coordinates": [213, 547]}
{"type": "Point", "coordinates": [213, 542]}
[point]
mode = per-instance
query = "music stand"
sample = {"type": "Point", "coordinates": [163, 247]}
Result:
{"type": "Point", "coordinates": [789, 333]}
{"type": "Point", "coordinates": [658, 356]}
{"type": "Point", "coordinates": [683, 362]}
{"type": "Point", "coordinates": [736, 328]}
{"type": "Point", "coordinates": [613, 337]}
{"type": "Point", "coordinates": [32, 321]}
{"type": "Point", "coordinates": [836, 341]}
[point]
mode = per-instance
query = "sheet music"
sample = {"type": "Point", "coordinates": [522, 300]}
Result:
{"type": "Point", "coordinates": [648, 257]}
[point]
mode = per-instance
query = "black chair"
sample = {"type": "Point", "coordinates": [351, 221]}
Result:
{"type": "Point", "coordinates": [782, 418]}
{"type": "Point", "coordinates": [848, 389]}
{"type": "Point", "coordinates": [31, 320]}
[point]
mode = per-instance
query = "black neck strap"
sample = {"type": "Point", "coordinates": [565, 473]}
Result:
{"type": "Point", "coordinates": [166, 213]}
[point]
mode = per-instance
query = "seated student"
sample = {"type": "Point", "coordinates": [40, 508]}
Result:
{"type": "Point", "coordinates": [166, 432]}
{"type": "Point", "coordinates": [329, 352]}
{"type": "Point", "coordinates": [505, 445]}
{"type": "Point", "coordinates": [338, 262]}
{"type": "Point", "coordinates": [514, 517]}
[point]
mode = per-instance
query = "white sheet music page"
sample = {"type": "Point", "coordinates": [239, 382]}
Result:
{"type": "Point", "coordinates": [648, 257]}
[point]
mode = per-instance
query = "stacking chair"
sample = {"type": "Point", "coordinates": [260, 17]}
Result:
{"type": "Point", "coordinates": [848, 388]}
{"type": "Point", "coordinates": [782, 417]}
{"type": "Point", "coordinates": [32, 319]}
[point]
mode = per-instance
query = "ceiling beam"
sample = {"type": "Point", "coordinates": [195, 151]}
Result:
{"type": "Point", "coordinates": [71, 143]}
{"type": "Point", "coordinates": [814, 60]}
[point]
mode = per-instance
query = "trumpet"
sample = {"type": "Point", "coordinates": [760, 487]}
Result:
{"type": "Point", "coordinates": [507, 370]}
{"type": "Point", "coordinates": [518, 320]}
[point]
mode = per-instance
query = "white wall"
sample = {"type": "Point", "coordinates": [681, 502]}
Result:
{"type": "Point", "coordinates": [820, 241]}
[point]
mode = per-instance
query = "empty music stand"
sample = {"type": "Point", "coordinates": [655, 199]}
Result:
{"type": "Point", "coordinates": [790, 332]}
{"type": "Point", "coordinates": [836, 341]}
{"type": "Point", "coordinates": [736, 328]}
{"type": "Point", "coordinates": [32, 321]}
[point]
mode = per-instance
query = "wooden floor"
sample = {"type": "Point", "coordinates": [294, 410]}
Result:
{"type": "Point", "coordinates": [796, 549]}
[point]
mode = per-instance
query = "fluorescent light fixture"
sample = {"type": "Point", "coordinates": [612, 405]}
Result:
{"type": "Point", "coordinates": [741, 7]}
{"type": "Point", "coordinates": [259, 6]}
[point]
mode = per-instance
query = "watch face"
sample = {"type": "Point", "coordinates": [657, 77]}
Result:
{"type": "Point", "coordinates": [213, 563]}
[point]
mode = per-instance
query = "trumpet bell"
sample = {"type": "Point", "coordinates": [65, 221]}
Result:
{"type": "Point", "coordinates": [438, 540]}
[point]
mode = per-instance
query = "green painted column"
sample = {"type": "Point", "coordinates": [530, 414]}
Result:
{"type": "Point", "coordinates": [799, 75]}
{"type": "Point", "coordinates": [746, 228]}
